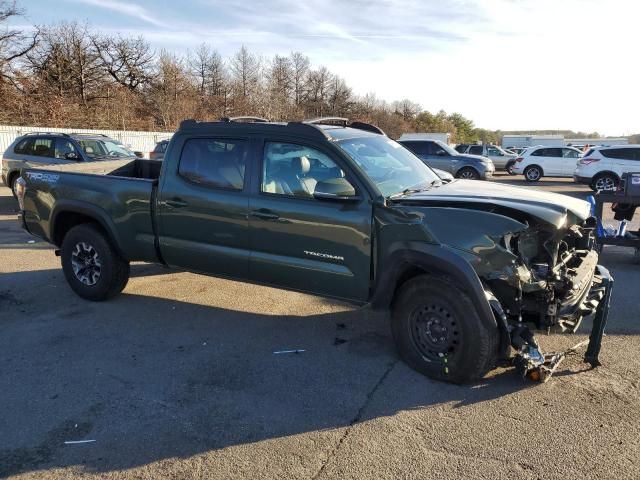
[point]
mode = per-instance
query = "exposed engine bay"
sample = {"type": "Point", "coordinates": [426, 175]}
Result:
{"type": "Point", "coordinates": [555, 282]}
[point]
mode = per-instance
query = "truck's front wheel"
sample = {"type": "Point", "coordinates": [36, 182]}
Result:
{"type": "Point", "coordinates": [439, 333]}
{"type": "Point", "coordinates": [92, 267]}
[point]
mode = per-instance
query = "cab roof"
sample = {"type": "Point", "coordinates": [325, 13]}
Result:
{"type": "Point", "coordinates": [327, 128]}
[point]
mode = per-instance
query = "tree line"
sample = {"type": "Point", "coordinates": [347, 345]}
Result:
{"type": "Point", "coordinates": [70, 75]}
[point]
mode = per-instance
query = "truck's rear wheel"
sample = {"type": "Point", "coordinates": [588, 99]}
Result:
{"type": "Point", "coordinates": [439, 333]}
{"type": "Point", "coordinates": [92, 267]}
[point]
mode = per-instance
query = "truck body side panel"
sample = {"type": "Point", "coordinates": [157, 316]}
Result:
{"type": "Point", "coordinates": [122, 206]}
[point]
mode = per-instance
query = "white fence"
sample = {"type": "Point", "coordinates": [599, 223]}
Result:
{"type": "Point", "coordinates": [136, 141]}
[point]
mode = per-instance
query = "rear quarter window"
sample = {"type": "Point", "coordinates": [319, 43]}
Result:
{"type": "Point", "coordinates": [621, 153]}
{"type": "Point", "coordinates": [24, 146]}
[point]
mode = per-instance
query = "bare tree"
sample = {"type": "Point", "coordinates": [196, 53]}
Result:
{"type": "Point", "coordinates": [339, 97]}
{"type": "Point", "coordinates": [245, 71]}
{"type": "Point", "coordinates": [14, 43]}
{"type": "Point", "coordinates": [171, 93]}
{"type": "Point", "coordinates": [129, 61]}
{"type": "Point", "coordinates": [300, 68]}
{"type": "Point", "coordinates": [317, 94]}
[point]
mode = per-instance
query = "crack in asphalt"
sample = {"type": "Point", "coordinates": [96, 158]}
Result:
{"type": "Point", "coordinates": [356, 419]}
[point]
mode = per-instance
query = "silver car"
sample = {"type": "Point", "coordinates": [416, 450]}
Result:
{"type": "Point", "coordinates": [502, 159]}
{"type": "Point", "coordinates": [437, 154]}
{"type": "Point", "coordinates": [42, 148]}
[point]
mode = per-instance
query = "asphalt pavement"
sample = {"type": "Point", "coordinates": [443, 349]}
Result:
{"type": "Point", "coordinates": [176, 378]}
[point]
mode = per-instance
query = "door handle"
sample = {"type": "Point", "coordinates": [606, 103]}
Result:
{"type": "Point", "coordinates": [264, 214]}
{"type": "Point", "coordinates": [176, 203]}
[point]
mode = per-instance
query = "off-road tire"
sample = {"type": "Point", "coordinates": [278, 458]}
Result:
{"type": "Point", "coordinates": [533, 173]}
{"type": "Point", "coordinates": [475, 350]}
{"type": "Point", "coordinates": [468, 173]}
{"type": "Point", "coordinates": [114, 271]}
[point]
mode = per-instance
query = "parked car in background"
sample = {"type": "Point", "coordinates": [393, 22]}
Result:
{"type": "Point", "coordinates": [437, 154]}
{"type": "Point", "coordinates": [501, 159]}
{"type": "Point", "coordinates": [158, 152]}
{"type": "Point", "coordinates": [40, 148]}
{"type": "Point", "coordinates": [516, 150]}
{"type": "Point", "coordinates": [537, 162]}
{"type": "Point", "coordinates": [602, 167]}
{"type": "Point", "coordinates": [443, 137]}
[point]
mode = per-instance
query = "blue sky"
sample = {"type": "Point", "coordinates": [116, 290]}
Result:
{"type": "Point", "coordinates": [509, 64]}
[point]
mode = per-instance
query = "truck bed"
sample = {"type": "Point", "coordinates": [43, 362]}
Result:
{"type": "Point", "coordinates": [119, 194]}
{"type": "Point", "coordinates": [138, 168]}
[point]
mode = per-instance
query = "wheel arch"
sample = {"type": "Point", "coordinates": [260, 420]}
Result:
{"type": "Point", "coordinates": [11, 175]}
{"type": "Point", "coordinates": [605, 172]}
{"type": "Point", "coordinates": [407, 260]}
{"type": "Point", "coordinates": [69, 213]}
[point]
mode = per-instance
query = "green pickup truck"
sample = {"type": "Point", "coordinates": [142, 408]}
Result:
{"type": "Point", "coordinates": [340, 210]}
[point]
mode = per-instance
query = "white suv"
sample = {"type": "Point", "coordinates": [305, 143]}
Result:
{"type": "Point", "coordinates": [538, 162]}
{"type": "Point", "coordinates": [602, 167]}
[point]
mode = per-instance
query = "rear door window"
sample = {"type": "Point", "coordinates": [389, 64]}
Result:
{"type": "Point", "coordinates": [43, 147]}
{"type": "Point", "coordinates": [476, 150]}
{"type": "Point", "coordinates": [540, 152]}
{"type": "Point", "coordinates": [419, 148]}
{"type": "Point", "coordinates": [212, 162]}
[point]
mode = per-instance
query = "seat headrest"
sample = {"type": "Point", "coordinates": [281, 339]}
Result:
{"type": "Point", "coordinates": [300, 165]}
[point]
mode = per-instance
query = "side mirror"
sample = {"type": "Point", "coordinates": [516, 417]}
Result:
{"type": "Point", "coordinates": [338, 189]}
{"type": "Point", "coordinates": [71, 156]}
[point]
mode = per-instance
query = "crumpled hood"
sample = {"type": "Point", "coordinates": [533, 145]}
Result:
{"type": "Point", "coordinates": [549, 207]}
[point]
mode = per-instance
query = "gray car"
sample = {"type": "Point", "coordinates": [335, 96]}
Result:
{"type": "Point", "coordinates": [501, 159]}
{"type": "Point", "coordinates": [437, 154]}
{"type": "Point", "coordinates": [42, 148]}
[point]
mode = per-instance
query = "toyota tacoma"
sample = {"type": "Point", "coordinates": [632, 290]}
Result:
{"type": "Point", "coordinates": [336, 208]}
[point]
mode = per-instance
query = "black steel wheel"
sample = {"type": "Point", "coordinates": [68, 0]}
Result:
{"type": "Point", "coordinates": [439, 332]}
{"type": "Point", "coordinates": [434, 330]}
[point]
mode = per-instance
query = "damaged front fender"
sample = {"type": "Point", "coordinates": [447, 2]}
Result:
{"type": "Point", "coordinates": [484, 240]}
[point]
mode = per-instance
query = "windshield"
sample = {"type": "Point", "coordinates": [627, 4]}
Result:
{"type": "Point", "coordinates": [104, 148]}
{"type": "Point", "coordinates": [388, 164]}
{"type": "Point", "coordinates": [446, 148]}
